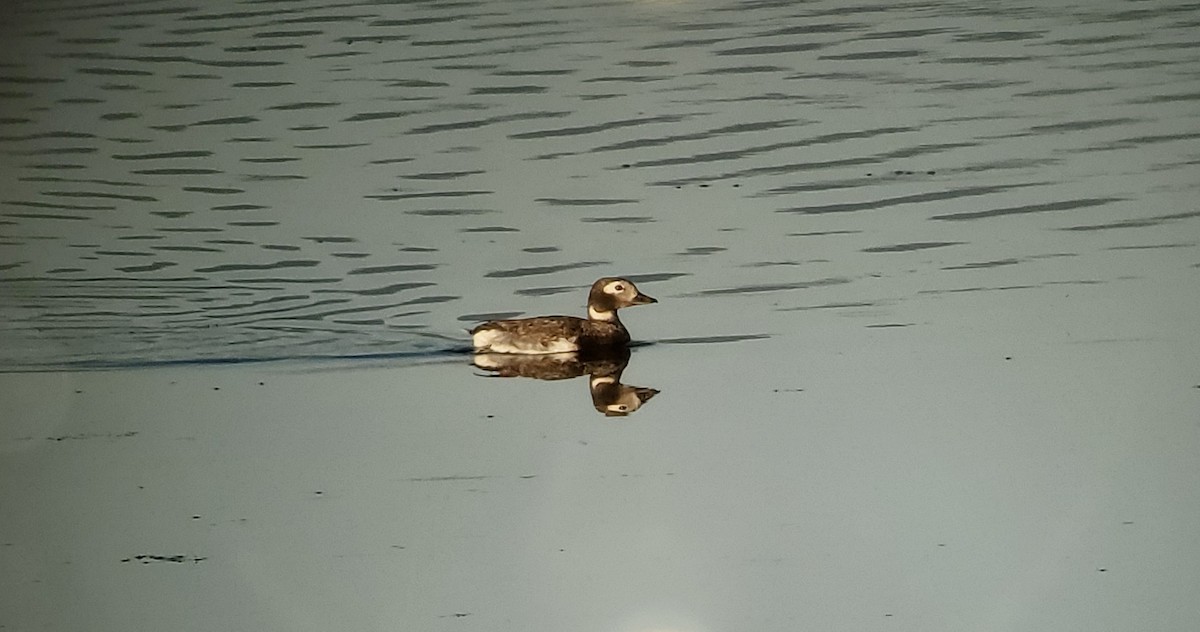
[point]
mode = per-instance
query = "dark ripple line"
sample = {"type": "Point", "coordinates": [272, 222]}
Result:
{"type": "Point", "coordinates": [984, 264]}
{"type": "Point", "coordinates": [654, 277]}
{"type": "Point", "coordinates": [109, 364]}
{"type": "Point", "coordinates": [264, 312]}
{"type": "Point", "coordinates": [60, 207]}
{"type": "Point", "coordinates": [477, 123]}
{"type": "Point", "coordinates": [97, 194]}
{"type": "Point", "coordinates": [429, 300]}
{"type": "Point", "coordinates": [266, 301]}
{"type": "Point", "coordinates": [120, 72]}
{"type": "Point", "coordinates": [388, 197]}
{"type": "Point", "coordinates": [1135, 223]}
{"type": "Point", "coordinates": [1072, 126]}
{"type": "Point", "coordinates": [1124, 143]}
{"type": "Point", "coordinates": [381, 291]}
{"type": "Point", "coordinates": [304, 105]}
{"type": "Point", "coordinates": [532, 271]}
{"type": "Point", "coordinates": [287, 280]}
{"type": "Point", "coordinates": [610, 79]}
{"type": "Point", "coordinates": [659, 141]}
{"type": "Point", "coordinates": [500, 90]}
{"type": "Point", "coordinates": [442, 175]}
{"type": "Point", "coordinates": [1066, 205]}
{"type": "Point", "coordinates": [961, 290]}
{"type": "Point", "coordinates": [187, 248]}
{"type": "Point", "coordinates": [449, 212]}
{"type": "Point", "coordinates": [228, 120]}
{"type": "Point", "coordinates": [586, 201]}
{"type": "Point", "coordinates": [873, 55]}
{"type": "Point", "coordinates": [403, 267]}
{"type": "Point", "coordinates": [334, 312]}
{"type": "Point", "coordinates": [843, 305]}
{"type": "Point", "coordinates": [1169, 98]}
{"type": "Point", "coordinates": [1186, 244]}
{"type": "Point", "coordinates": [601, 127]}
{"type": "Point", "coordinates": [55, 151]}
{"type": "Point", "coordinates": [771, 287]}
{"type": "Point", "coordinates": [377, 116]}
{"type": "Point", "coordinates": [686, 43]}
{"type": "Point", "coordinates": [29, 80]}
{"type": "Point", "coordinates": [623, 219]}
{"type": "Point", "coordinates": [47, 216]}
{"type": "Point", "coordinates": [694, 340]}
{"type": "Point", "coordinates": [163, 155]}
{"type": "Point", "coordinates": [175, 172]}
{"type": "Point", "coordinates": [773, 49]}
{"type": "Point", "coordinates": [916, 245]}
{"type": "Point", "coordinates": [915, 198]}
{"type": "Point", "coordinates": [291, 263]}
{"type": "Point", "coordinates": [151, 267]}
{"type": "Point", "coordinates": [759, 149]}
{"type": "Point", "coordinates": [547, 291]}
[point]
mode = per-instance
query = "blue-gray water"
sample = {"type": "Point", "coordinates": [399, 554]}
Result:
{"type": "Point", "coordinates": [190, 181]}
{"type": "Point", "coordinates": [925, 345]}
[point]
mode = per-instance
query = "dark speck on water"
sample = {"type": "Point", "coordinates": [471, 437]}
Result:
{"type": "Point", "coordinates": [174, 559]}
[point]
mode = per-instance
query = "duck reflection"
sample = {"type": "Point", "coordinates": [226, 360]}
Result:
{"type": "Point", "coordinates": [604, 368]}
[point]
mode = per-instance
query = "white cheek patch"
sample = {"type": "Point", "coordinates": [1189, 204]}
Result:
{"type": "Point", "coordinates": [611, 288]}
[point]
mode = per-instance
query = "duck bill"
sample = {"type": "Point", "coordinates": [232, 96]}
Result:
{"type": "Point", "coordinates": [642, 299]}
{"type": "Point", "coordinates": [644, 394]}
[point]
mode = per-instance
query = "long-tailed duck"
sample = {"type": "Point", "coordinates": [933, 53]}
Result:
{"type": "Point", "coordinates": [558, 334]}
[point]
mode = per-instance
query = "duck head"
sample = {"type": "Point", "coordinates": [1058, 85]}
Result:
{"type": "Point", "coordinates": [612, 293]}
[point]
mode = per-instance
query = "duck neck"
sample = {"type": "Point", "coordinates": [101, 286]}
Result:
{"type": "Point", "coordinates": [603, 316]}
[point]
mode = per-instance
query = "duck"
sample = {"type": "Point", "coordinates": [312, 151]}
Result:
{"type": "Point", "coordinates": [560, 334]}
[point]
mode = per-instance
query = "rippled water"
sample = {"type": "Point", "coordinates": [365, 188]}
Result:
{"type": "Point", "coordinates": [214, 181]}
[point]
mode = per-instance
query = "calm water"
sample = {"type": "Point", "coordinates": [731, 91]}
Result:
{"type": "Point", "coordinates": [926, 348]}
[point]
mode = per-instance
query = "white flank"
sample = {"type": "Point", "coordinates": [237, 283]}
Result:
{"type": "Point", "coordinates": [483, 339]}
{"type": "Point", "coordinates": [503, 342]}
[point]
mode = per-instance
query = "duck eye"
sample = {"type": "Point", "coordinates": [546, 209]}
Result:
{"type": "Point", "coordinates": [618, 287]}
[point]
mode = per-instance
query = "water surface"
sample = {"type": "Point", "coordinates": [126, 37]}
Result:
{"type": "Point", "coordinates": [925, 346]}
{"type": "Point", "coordinates": [281, 180]}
